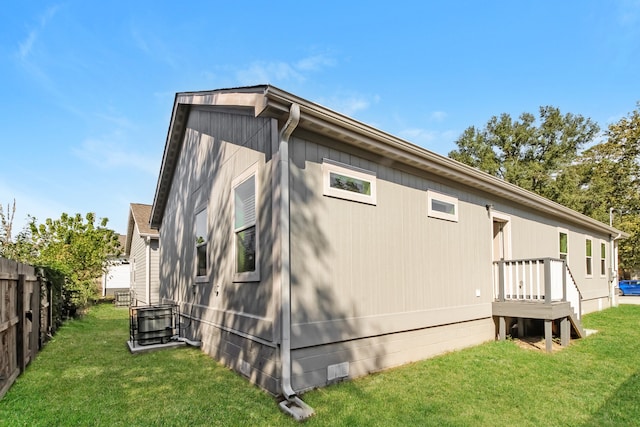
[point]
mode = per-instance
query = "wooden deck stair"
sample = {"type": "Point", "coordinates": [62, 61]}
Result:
{"type": "Point", "coordinates": [542, 289]}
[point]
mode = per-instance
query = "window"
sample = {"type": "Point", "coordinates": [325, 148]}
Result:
{"type": "Point", "coordinates": [348, 182]}
{"type": "Point", "coordinates": [564, 245]}
{"type": "Point", "coordinates": [245, 227]}
{"type": "Point", "coordinates": [201, 243]}
{"type": "Point", "coordinates": [603, 259]}
{"type": "Point", "coordinates": [442, 206]}
{"type": "Point", "coordinates": [589, 257]}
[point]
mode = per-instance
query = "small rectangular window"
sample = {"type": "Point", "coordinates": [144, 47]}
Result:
{"type": "Point", "coordinates": [442, 206]}
{"type": "Point", "coordinates": [348, 182]}
{"type": "Point", "coordinates": [201, 243]}
{"type": "Point", "coordinates": [588, 253]}
{"type": "Point", "coordinates": [603, 259]}
{"type": "Point", "coordinates": [245, 227]}
{"type": "Point", "coordinates": [564, 246]}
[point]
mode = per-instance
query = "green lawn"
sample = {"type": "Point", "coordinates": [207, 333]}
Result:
{"type": "Point", "coordinates": [86, 376]}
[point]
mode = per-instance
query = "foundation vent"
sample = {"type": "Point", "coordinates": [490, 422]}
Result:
{"type": "Point", "coordinates": [245, 368]}
{"type": "Point", "coordinates": [339, 370]}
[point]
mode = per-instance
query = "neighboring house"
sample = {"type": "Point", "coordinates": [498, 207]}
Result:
{"type": "Point", "coordinates": [306, 247]}
{"type": "Point", "coordinates": [116, 279]}
{"type": "Point", "coordinates": [142, 248]}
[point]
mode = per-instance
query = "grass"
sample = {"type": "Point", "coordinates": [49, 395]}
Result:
{"type": "Point", "coordinates": [86, 376]}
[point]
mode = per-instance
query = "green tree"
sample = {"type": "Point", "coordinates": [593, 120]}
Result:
{"type": "Point", "coordinates": [621, 173]}
{"type": "Point", "coordinates": [535, 155]}
{"type": "Point", "coordinates": [75, 246]}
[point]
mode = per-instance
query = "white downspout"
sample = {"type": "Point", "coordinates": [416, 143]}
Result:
{"type": "Point", "coordinates": [148, 269]}
{"type": "Point", "coordinates": [292, 404]}
{"type": "Point", "coordinates": [614, 271]}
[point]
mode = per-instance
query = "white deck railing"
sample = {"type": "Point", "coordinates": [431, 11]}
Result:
{"type": "Point", "coordinates": [534, 279]}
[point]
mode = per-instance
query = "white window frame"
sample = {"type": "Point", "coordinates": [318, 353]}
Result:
{"type": "Point", "coordinates": [443, 198]}
{"type": "Point", "coordinates": [588, 258]}
{"type": "Point", "coordinates": [331, 166]}
{"type": "Point", "coordinates": [205, 277]}
{"type": "Point", "coordinates": [246, 276]}
{"type": "Point", "coordinates": [603, 260]}
{"type": "Point", "coordinates": [566, 232]}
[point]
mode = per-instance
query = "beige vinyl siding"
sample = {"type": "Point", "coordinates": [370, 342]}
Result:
{"type": "Point", "coordinates": [217, 148]}
{"type": "Point", "coordinates": [538, 236]}
{"type": "Point", "coordinates": [380, 352]}
{"type": "Point", "coordinates": [360, 270]}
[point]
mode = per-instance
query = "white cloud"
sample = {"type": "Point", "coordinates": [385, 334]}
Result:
{"type": "Point", "coordinates": [349, 103]}
{"type": "Point", "coordinates": [26, 46]}
{"type": "Point", "coordinates": [438, 141]}
{"type": "Point", "coordinates": [438, 116]}
{"type": "Point", "coordinates": [106, 153]}
{"type": "Point", "coordinates": [155, 48]}
{"type": "Point", "coordinates": [260, 72]}
{"type": "Point", "coordinates": [316, 62]}
{"type": "Point", "coordinates": [629, 12]}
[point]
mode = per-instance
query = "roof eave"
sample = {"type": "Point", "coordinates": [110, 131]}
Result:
{"type": "Point", "coordinates": [270, 101]}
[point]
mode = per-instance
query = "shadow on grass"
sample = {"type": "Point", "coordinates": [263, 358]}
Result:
{"type": "Point", "coordinates": [622, 407]}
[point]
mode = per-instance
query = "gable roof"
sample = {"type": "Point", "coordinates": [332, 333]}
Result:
{"type": "Point", "coordinates": [139, 215]}
{"type": "Point", "coordinates": [270, 101]}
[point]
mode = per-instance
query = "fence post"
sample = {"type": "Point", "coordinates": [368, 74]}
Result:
{"type": "Point", "coordinates": [20, 356]}
{"type": "Point", "coordinates": [36, 341]}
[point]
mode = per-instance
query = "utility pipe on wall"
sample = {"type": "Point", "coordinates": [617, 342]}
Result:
{"type": "Point", "coordinates": [292, 404]}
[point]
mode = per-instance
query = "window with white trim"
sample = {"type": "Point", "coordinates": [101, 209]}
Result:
{"type": "Point", "coordinates": [442, 206]}
{"type": "Point", "coordinates": [564, 245]}
{"type": "Point", "coordinates": [603, 259]}
{"type": "Point", "coordinates": [348, 182]}
{"type": "Point", "coordinates": [245, 226]}
{"type": "Point", "coordinates": [589, 256]}
{"type": "Point", "coordinates": [201, 243]}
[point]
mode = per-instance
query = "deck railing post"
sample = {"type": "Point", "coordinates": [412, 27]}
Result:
{"type": "Point", "coordinates": [547, 280]}
{"type": "Point", "coordinates": [564, 280]}
{"type": "Point", "coordinates": [501, 281]}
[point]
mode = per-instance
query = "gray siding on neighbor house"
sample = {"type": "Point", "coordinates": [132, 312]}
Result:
{"type": "Point", "coordinates": [145, 261]}
{"type": "Point", "coordinates": [360, 270]}
{"type": "Point", "coordinates": [217, 148]}
{"type": "Point", "coordinates": [154, 270]}
{"type": "Point", "coordinates": [138, 268]}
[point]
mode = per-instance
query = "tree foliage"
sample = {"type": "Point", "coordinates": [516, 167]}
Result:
{"type": "Point", "coordinates": [6, 225]}
{"type": "Point", "coordinates": [547, 157]}
{"type": "Point", "coordinates": [531, 154]}
{"type": "Point", "coordinates": [75, 247]}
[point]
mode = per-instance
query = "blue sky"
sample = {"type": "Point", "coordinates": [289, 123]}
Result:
{"type": "Point", "coordinates": [86, 87]}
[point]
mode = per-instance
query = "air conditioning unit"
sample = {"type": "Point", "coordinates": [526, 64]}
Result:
{"type": "Point", "coordinates": [153, 324]}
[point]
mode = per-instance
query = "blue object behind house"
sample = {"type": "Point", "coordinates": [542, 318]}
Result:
{"type": "Point", "coordinates": [629, 287]}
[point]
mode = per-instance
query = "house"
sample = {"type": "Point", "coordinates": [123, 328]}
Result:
{"type": "Point", "coordinates": [116, 278]}
{"type": "Point", "coordinates": [304, 247]}
{"type": "Point", "coordinates": [142, 249]}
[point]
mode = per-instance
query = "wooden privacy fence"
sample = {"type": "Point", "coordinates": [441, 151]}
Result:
{"type": "Point", "coordinates": [25, 319]}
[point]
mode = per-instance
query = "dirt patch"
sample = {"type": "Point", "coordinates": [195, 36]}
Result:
{"type": "Point", "coordinates": [538, 344]}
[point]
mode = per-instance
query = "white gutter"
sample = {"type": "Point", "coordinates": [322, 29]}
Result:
{"type": "Point", "coordinates": [292, 404]}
